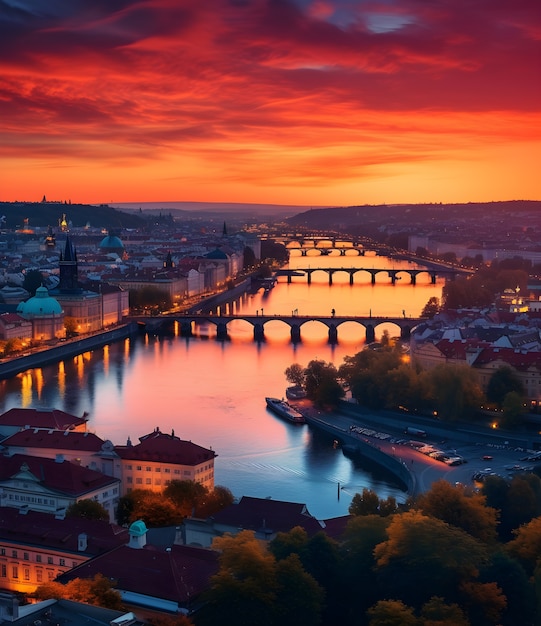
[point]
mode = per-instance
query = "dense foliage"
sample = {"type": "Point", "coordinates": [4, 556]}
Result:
{"type": "Point", "coordinates": [440, 559]}
{"type": "Point", "coordinates": [384, 379]}
{"type": "Point", "coordinates": [180, 499]}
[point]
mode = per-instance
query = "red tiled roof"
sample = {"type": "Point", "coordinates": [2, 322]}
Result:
{"type": "Point", "coordinates": [159, 447]}
{"type": "Point", "coordinates": [41, 418]}
{"type": "Point", "coordinates": [44, 530]}
{"type": "Point", "coordinates": [273, 515]}
{"type": "Point", "coordinates": [66, 478]}
{"type": "Point", "coordinates": [517, 359]}
{"type": "Point", "coordinates": [59, 439]}
{"type": "Point", "coordinates": [178, 574]}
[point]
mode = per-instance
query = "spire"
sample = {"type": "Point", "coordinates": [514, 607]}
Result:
{"type": "Point", "coordinates": [224, 231]}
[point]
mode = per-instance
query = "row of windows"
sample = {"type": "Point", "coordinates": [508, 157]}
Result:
{"type": "Point", "coordinates": [167, 470]}
{"type": "Point", "coordinates": [39, 557]}
{"type": "Point", "coordinates": [32, 499]}
{"type": "Point", "coordinates": [14, 571]}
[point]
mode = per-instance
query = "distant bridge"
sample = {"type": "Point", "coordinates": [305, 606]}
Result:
{"type": "Point", "coordinates": [295, 322]}
{"type": "Point", "coordinates": [392, 273]}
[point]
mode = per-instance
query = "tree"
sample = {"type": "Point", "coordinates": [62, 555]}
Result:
{"type": "Point", "coordinates": [431, 308]}
{"type": "Point", "coordinates": [503, 381]}
{"type": "Point", "coordinates": [187, 495]}
{"type": "Point", "coordinates": [32, 280]}
{"type": "Point", "coordinates": [98, 591]}
{"type": "Point", "coordinates": [321, 383]}
{"type": "Point", "coordinates": [88, 509]}
{"type": "Point", "coordinates": [70, 324]}
{"type": "Point", "coordinates": [369, 503]}
{"type": "Point", "coordinates": [392, 613]}
{"type": "Point", "coordinates": [513, 408]}
{"type": "Point", "coordinates": [436, 612]}
{"type": "Point", "coordinates": [216, 500]}
{"type": "Point", "coordinates": [153, 508]}
{"type": "Point", "coordinates": [455, 391]}
{"type": "Point", "coordinates": [425, 557]}
{"type": "Point", "coordinates": [295, 374]}
{"type": "Point", "coordinates": [460, 507]}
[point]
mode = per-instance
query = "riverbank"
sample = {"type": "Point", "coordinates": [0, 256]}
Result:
{"type": "Point", "coordinates": [380, 438]}
{"type": "Point", "coordinates": [64, 350]}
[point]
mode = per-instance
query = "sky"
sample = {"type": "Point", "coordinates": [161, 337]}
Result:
{"type": "Point", "coordinates": [302, 102]}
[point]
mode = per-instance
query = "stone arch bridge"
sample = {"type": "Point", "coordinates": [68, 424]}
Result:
{"type": "Point", "coordinates": [258, 321]}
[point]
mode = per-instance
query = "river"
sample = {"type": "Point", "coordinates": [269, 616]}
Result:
{"type": "Point", "coordinates": [213, 392]}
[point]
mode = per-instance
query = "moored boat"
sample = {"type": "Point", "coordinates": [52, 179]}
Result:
{"type": "Point", "coordinates": [285, 410]}
{"type": "Point", "coordinates": [295, 393]}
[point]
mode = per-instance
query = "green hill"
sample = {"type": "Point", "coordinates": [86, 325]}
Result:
{"type": "Point", "coordinates": [50, 214]}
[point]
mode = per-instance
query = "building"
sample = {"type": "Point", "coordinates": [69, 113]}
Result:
{"type": "Point", "coordinates": [264, 516]}
{"type": "Point", "coordinates": [168, 580]}
{"type": "Point", "coordinates": [16, 419]}
{"type": "Point", "coordinates": [37, 547]}
{"type": "Point", "coordinates": [45, 313]}
{"type": "Point", "coordinates": [13, 326]}
{"type": "Point", "coordinates": [159, 458]}
{"type": "Point", "coordinates": [52, 485]}
{"type": "Point", "coordinates": [81, 447]}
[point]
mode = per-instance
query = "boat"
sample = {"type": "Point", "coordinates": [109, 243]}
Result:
{"type": "Point", "coordinates": [285, 410]}
{"type": "Point", "coordinates": [295, 393]}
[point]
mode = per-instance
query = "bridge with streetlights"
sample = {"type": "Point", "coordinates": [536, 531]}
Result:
{"type": "Point", "coordinates": [188, 321]}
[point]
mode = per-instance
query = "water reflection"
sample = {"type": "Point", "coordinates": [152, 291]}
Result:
{"type": "Point", "coordinates": [212, 392]}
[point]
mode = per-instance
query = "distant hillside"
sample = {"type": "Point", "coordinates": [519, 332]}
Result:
{"type": "Point", "coordinates": [49, 213]}
{"type": "Point", "coordinates": [369, 220]}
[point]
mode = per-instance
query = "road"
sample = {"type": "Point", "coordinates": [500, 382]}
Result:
{"type": "Point", "coordinates": [481, 455]}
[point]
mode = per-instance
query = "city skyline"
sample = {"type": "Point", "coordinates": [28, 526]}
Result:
{"type": "Point", "coordinates": [286, 102]}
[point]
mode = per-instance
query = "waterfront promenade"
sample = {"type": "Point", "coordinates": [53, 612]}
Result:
{"type": "Point", "coordinates": [414, 470]}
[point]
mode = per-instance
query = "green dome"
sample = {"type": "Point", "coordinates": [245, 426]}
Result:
{"type": "Point", "coordinates": [138, 528]}
{"type": "Point", "coordinates": [41, 305]}
{"type": "Point", "coordinates": [111, 242]}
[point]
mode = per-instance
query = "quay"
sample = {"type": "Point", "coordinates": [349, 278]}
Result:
{"type": "Point", "coordinates": [482, 449]}
{"type": "Point", "coordinates": [38, 357]}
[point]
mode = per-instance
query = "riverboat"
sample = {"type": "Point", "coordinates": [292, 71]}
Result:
{"type": "Point", "coordinates": [295, 393]}
{"type": "Point", "coordinates": [285, 410]}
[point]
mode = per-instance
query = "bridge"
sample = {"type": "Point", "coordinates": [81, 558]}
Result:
{"type": "Point", "coordinates": [392, 273]}
{"type": "Point", "coordinates": [187, 322]}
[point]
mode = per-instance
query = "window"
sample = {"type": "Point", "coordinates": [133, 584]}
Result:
{"type": "Point", "coordinates": [15, 572]}
{"type": "Point", "coordinates": [129, 480]}
{"type": "Point", "coordinates": [148, 469]}
{"type": "Point", "coordinates": [128, 467]}
{"type": "Point", "coordinates": [50, 575]}
{"type": "Point", "coordinates": [26, 573]}
{"type": "Point", "coordinates": [2, 551]}
{"type": "Point", "coordinates": [62, 562]}
{"type": "Point", "coordinates": [167, 470]}
{"type": "Point", "coordinates": [38, 558]}
{"type": "Point", "coordinates": [177, 471]}
{"type": "Point", "coordinates": [3, 570]}
{"type": "Point", "coordinates": [14, 554]}
{"type": "Point", "coordinates": [158, 469]}
{"type": "Point", "coordinates": [148, 481]}
{"type": "Point", "coordinates": [50, 560]}
{"type": "Point", "coordinates": [187, 473]}
{"type": "Point", "coordinates": [39, 575]}
{"type": "Point", "coordinates": [139, 468]}
{"type": "Point", "coordinates": [138, 481]}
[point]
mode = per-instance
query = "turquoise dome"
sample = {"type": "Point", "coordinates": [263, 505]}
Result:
{"type": "Point", "coordinates": [41, 305]}
{"type": "Point", "coordinates": [111, 242]}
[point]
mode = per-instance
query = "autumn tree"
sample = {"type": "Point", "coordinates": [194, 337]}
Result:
{"type": "Point", "coordinates": [151, 507]}
{"type": "Point", "coordinates": [88, 509]}
{"type": "Point", "coordinates": [251, 587]}
{"type": "Point", "coordinates": [425, 557]}
{"type": "Point", "coordinates": [187, 495]}
{"type": "Point", "coordinates": [501, 382]}
{"type": "Point", "coordinates": [216, 500]}
{"type": "Point", "coordinates": [461, 507]}
{"type": "Point", "coordinates": [392, 613]}
{"type": "Point", "coordinates": [98, 591]}
{"type": "Point", "coordinates": [431, 308]}
{"type": "Point", "coordinates": [436, 612]}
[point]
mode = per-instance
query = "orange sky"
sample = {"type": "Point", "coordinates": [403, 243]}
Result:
{"type": "Point", "coordinates": [308, 102]}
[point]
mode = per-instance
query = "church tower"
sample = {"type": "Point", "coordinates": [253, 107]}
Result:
{"type": "Point", "coordinates": [68, 268]}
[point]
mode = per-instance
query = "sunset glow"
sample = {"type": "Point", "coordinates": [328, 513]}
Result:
{"type": "Point", "coordinates": [310, 102]}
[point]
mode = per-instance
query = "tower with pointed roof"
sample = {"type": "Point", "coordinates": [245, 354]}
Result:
{"type": "Point", "coordinates": [69, 279]}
